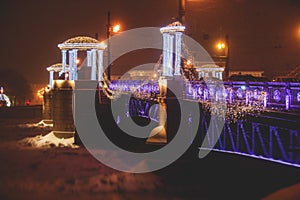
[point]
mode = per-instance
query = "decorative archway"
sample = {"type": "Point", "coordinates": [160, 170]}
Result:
{"type": "Point", "coordinates": [169, 32]}
{"type": "Point", "coordinates": [94, 51]}
{"type": "Point", "coordinates": [56, 68]}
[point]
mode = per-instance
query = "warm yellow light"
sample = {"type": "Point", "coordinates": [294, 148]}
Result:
{"type": "Point", "coordinates": [189, 62]}
{"type": "Point", "coordinates": [116, 28]}
{"type": "Point", "coordinates": [77, 61]}
{"type": "Point", "coordinates": [1, 90]}
{"type": "Point", "coordinates": [221, 45]}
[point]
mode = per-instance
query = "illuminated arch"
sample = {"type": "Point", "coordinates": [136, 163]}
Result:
{"type": "Point", "coordinates": [94, 50]}
{"type": "Point", "coordinates": [5, 98]}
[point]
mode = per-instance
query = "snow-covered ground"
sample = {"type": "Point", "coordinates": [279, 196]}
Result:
{"type": "Point", "coordinates": [37, 165]}
{"type": "Point", "coordinates": [48, 141]}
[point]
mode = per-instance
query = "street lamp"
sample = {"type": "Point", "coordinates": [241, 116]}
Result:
{"type": "Point", "coordinates": [224, 47]}
{"type": "Point", "coordinates": [221, 45]}
{"type": "Point", "coordinates": [111, 29]}
{"type": "Point", "coordinates": [116, 28]}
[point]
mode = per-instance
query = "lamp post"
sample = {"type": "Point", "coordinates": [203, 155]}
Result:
{"type": "Point", "coordinates": [110, 29]}
{"type": "Point", "coordinates": [224, 47]}
{"type": "Point", "coordinates": [181, 11]}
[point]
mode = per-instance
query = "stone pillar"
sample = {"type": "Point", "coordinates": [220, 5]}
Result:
{"type": "Point", "coordinates": [47, 107]}
{"type": "Point", "coordinates": [64, 61]}
{"type": "Point", "coordinates": [100, 64]}
{"type": "Point", "coordinates": [170, 52]}
{"type": "Point", "coordinates": [75, 64]}
{"type": "Point", "coordinates": [220, 76]}
{"type": "Point", "coordinates": [214, 74]}
{"type": "Point", "coordinates": [165, 54]}
{"type": "Point", "coordinates": [247, 101]}
{"type": "Point", "coordinates": [51, 77]}
{"type": "Point", "coordinates": [265, 99]}
{"type": "Point", "coordinates": [217, 75]}
{"type": "Point", "coordinates": [288, 100]}
{"type": "Point", "coordinates": [89, 58]}
{"type": "Point", "coordinates": [94, 65]}
{"type": "Point", "coordinates": [71, 65]}
{"type": "Point", "coordinates": [63, 123]}
{"type": "Point", "coordinates": [177, 53]}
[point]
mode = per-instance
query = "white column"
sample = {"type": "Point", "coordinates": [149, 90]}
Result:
{"type": "Point", "coordinates": [220, 76]}
{"type": "Point", "coordinates": [217, 75]}
{"type": "Point", "coordinates": [170, 57]}
{"type": "Point", "coordinates": [64, 61]}
{"type": "Point", "coordinates": [51, 77]}
{"type": "Point", "coordinates": [75, 64]}
{"type": "Point", "coordinates": [89, 58]}
{"type": "Point", "coordinates": [165, 53]}
{"type": "Point", "coordinates": [94, 65]}
{"type": "Point", "coordinates": [214, 74]}
{"type": "Point", "coordinates": [177, 53]}
{"type": "Point", "coordinates": [100, 64]}
{"type": "Point", "coordinates": [71, 65]}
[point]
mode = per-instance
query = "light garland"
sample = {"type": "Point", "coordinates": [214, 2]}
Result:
{"type": "Point", "coordinates": [81, 43]}
{"type": "Point", "coordinates": [58, 67]}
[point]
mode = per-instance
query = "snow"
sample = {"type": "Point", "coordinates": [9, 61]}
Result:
{"type": "Point", "coordinates": [48, 141]}
{"type": "Point", "coordinates": [40, 124]}
{"type": "Point", "coordinates": [37, 165]}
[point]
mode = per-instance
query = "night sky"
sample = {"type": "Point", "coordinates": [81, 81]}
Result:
{"type": "Point", "coordinates": [264, 34]}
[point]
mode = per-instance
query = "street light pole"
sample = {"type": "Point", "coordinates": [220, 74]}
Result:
{"type": "Point", "coordinates": [181, 12]}
{"type": "Point", "coordinates": [227, 57]}
{"type": "Point", "coordinates": [223, 46]}
{"type": "Point", "coordinates": [108, 44]}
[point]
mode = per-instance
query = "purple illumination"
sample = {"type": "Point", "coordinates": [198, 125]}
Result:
{"type": "Point", "coordinates": [234, 93]}
{"type": "Point", "coordinates": [255, 94]}
{"type": "Point", "coordinates": [239, 93]}
{"type": "Point", "coordinates": [277, 95]}
{"type": "Point", "coordinates": [265, 100]}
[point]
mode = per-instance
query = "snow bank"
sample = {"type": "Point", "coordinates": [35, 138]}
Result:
{"type": "Point", "coordinates": [40, 124]}
{"type": "Point", "coordinates": [48, 141]}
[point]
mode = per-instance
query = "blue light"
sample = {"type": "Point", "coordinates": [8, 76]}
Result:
{"type": "Point", "coordinates": [243, 87]}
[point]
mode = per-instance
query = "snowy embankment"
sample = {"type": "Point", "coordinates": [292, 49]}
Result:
{"type": "Point", "coordinates": [48, 141]}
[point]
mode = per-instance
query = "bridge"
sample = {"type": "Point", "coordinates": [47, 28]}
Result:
{"type": "Point", "coordinates": [258, 119]}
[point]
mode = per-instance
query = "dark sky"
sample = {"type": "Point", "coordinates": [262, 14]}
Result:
{"type": "Point", "coordinates": [264, 34]}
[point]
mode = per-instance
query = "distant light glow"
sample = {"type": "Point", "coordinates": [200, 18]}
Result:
{"type": "Point", "coordinates": [116, 28]}
{"type": "Point", "coordinates": [1, 90]}
{"type": "Point", "coordinates": [221, 45]}
{"type": "Point", "coordinates": [77, 61]}
{"type": "Point", "coordinates": [188, 62]}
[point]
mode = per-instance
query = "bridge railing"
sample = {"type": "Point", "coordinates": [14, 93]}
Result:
{"type": "Point", "coordinates": [271, 95]}
{"type": "Point", "coordinates": [256, 137]}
